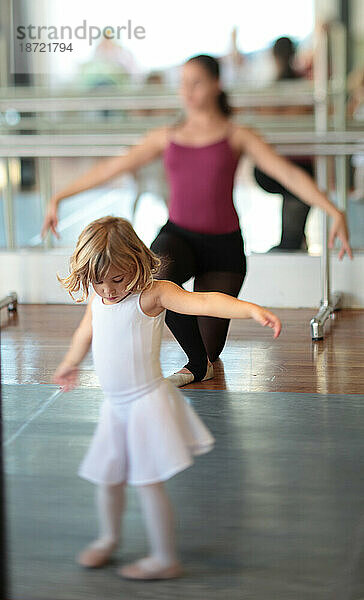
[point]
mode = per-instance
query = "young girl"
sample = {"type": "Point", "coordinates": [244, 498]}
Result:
{"type": "Point", "coordinates": [147, 431]}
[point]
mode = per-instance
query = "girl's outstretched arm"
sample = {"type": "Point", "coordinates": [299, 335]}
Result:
{"type": "Point", "coordinates": [212, 304]}
{"type": "Point", "coordinates": [66, 374]}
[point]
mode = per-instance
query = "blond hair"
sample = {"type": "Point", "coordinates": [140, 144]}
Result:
{"type": "Point", "coordinates": [105, 242]}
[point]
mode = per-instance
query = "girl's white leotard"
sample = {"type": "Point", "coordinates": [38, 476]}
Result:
{"type": "Point", "coordinates": [125, 348]}
{"type": "Point", "coordinates": [147, 430]}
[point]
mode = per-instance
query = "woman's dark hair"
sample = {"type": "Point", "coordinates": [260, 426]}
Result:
{"type": "Point", "coordinates": [284, 51]}
{"type": "Point", "coordinates": [211, 65]}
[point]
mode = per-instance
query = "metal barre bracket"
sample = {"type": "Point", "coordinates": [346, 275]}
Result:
{"type": "Point", "coordinates": [325, 311]}
{"type": "Point", "coordinates": [10, 301]}
{"type": "Point", "coordinates": [323, 60]}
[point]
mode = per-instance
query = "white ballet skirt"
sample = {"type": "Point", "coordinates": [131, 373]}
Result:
{"type": "Point", "coordinates": [147, 430]}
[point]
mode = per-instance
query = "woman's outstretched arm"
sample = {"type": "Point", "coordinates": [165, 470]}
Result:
{"type": "Point", "coordinates": [149, 149]}
{"type": "Point", "coordinates": [296, 181]}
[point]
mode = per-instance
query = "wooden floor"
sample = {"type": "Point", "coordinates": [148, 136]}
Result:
{"type": "Point", "coordinates": [35, 340]}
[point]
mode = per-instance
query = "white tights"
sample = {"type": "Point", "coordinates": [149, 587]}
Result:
{"type": "Point", "coordinates": [158, 517]}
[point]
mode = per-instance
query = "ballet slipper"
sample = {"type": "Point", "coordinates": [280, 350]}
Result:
{"type": "Point", "coordinates": [138, 570]}
{"type": "Point", "coordinates": [181, 379]}
{"type": "Point", "coordinates": [209, 372]}
{"type": "Point", "coordinates": [94, 558]}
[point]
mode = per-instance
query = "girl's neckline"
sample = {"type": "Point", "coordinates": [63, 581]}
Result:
{"type": "Point", "coordinates": [117, 303]}
{"type": "Point", "coordinates": [224, 139]}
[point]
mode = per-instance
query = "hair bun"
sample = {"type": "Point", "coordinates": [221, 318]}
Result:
{"type": "Point", "coordinates": [223, 103]}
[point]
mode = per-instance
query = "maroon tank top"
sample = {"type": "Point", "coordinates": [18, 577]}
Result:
{"type": "Point", "coordinates": [201, 180]}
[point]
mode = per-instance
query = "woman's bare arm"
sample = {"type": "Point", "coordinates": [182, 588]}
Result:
{"type": "Point", "coordinates": [296, 181]}
{"type": "Point", "coordinates": [150, 147]}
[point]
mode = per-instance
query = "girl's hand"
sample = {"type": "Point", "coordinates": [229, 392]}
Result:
{"type": "Point", "coordinates": [66, 376]}
{"type": "Point", "coordinates": [50, 221]}
{"type": "Point", "coordinates": [340, 229]}
{"type": "Point", "coordinates": [266, 318]}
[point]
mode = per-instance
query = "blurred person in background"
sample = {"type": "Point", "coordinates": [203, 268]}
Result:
{"type": "Point", "coordinates": [234, 67]}
{"type": "Point", "coordinates": [294, 211]}
{"type": "Point", "coordinates": [356, 112]}
{"type": "Point", "coordinates": [110, 65]}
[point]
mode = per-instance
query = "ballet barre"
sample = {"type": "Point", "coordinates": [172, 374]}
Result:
{"type": "Point", "coordinates": [330, 143]}
{"type": "Point", "coordinates": [25, 100]}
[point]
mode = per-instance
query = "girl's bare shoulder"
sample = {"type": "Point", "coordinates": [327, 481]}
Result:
{"type": "Point", "coordinates": [91, 298]}
{"type": "Point", "coordinates": [149, 298]}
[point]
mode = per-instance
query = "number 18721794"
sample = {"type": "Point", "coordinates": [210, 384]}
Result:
{"type": "Point", "coordinates": [43, 47]}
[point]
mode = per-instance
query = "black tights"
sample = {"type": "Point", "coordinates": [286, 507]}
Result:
{"type": "Point", "coordinates": [294, 211]}
{"type": "Point", "coordinates": [199, 337]}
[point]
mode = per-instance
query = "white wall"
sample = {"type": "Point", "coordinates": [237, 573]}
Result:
{"type": "Point", "coordinates": [289, 280]}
